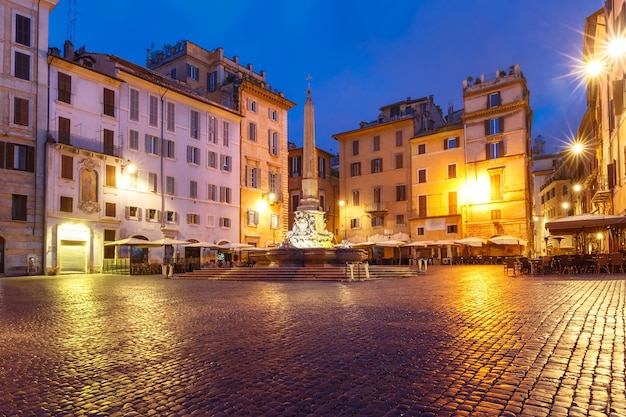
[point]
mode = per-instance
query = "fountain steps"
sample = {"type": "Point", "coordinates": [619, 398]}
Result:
{"type": "Point", "coordinates": [295, 273]}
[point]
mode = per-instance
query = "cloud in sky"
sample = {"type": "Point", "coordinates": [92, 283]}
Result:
{"type": "Point", "coordinates": [361, 55]}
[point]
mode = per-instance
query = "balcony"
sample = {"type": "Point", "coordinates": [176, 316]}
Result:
{"type": "Point", "coordinates": [87, 144]}
{"type": "Point", "coordinates": [376, 208]}
{"type": "Point", "coordinates": [600, 192]}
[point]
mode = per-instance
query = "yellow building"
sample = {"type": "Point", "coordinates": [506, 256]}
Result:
{"type": "Point", "coordinates": [437, 185]}
{"type": "Point", "coordinates": [375, 179]}
{"type": "Point", "coordinates": [264, 153]}
{"type": "Point", "coordinates": [497, 119]}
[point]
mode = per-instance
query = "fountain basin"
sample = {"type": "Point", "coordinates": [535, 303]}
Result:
{"type": "Point", "coordinates": [313, 256]}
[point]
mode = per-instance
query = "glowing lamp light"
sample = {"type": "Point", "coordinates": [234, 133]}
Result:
{"type": "Point", "coordinates": [578, 148]}
{"type": "Point", "coordinates": [594, 68]}
{"type": "Point", "coordinates": [577, 187]}
{"type": "Point", "coordinates": [616, 48]}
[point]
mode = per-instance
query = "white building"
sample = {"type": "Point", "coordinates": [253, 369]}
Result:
{"type": "Point", "coordinates": [133, 154]}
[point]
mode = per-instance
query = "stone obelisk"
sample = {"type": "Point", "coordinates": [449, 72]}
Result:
{"type": "Point", "coordinates": [309, 228]}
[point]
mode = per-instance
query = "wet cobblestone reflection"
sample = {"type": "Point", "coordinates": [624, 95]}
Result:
{"type": "Point", "coordinates": [459, 340]}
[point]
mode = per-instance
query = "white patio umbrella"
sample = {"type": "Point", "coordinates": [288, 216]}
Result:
{"type": "Point", "coordinates": [169, 241]}
{"type": "Point", "coordinates": [133, 241]}
{"type": "Point", "coordinates": [507, 240]}
{"type": "Point", "coordinates": [475, 242]}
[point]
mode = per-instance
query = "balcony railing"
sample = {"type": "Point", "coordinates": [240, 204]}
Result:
{"type": "Point", "coordinates": [377, 207]}
{"type": "Point", "coordinates": [93, 145]}
{"type": "Point", "coordinates": [599, 188]}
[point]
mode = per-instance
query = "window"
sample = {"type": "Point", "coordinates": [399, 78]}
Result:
{"type": "Point", "coordinates": [295, 166]}
{"type": "Point", "coordinates": [21, 111]}
{"type": "Point", "coordinates": [400, 220]}
{"type": "Point", "coordinates": [226, 162]}
{"type": "Point", "coordinates": [401, 192]}
{"type": "Point", "coordinates": [153, 215]}
{"type": "Point", "coordinates": [496, 215]}
{"type": "Point", "coordinates": [169, 148]}
{"type": "Point", "coordinates": [252, 131]}
{"type": "Point", "coordinates": [274, 182]}
{"type": "Point", "coordinates": [377, 165]}
{"type": "Point", "coordinates": [133, 179]}
{"type": "Point", "coordinates": [252, 218]}
{"type": "Point", "coordinates": [20, 157]}
{"type": "Point", "coordinates": [171, 117]}
{"type": "Point", "coordinates": [272, 142]}
{"type": "Point", "coordinates": [109, 251]}
{"type": "Point", "coordinates": [22, 30]}
{"type": "Point", "coordinates": [421, 176]}
{"type": "Point", "coordinates": [193, 155]}
{"type": "Point", "coordinates": [193, 72]}
{"type": "Point", "coordinates": [173, 73]}
{"type": "Point", "coordinates": [134, 105]}
{"type": "Point", "coordinates": [355, 223]}
{"type": "Point", "coordinates": [212, 129]}
{"type": "Point", "coordinates": [193, 189]}
{"type": "Point", "coordinates": [225, 134]}
{"type": "Point", "coordinates": [398, 138]}
{"type": "Point", "coordinates": [18, 208]}
{"type": "Point", "coordinates": [210, 220]}
{"type": "Point", "coordinates": [109, 102]}
{"type": "Point", "coordinates": [211, 81]}
{"type": "Point", "coordinates": [451, 143]}
{"type": "Point", "coordinates": [169, 185]}
{"type": "Point", "coordinates": [356, 198]}
{"type": "Point", "coordinates": [133, 140]}
{"type": "Point", "coordinates": [67, 167]}
{"type": "Point", "coordinates": [107, 141]}
{"type": "Point", "coordinates": [399, 158]}
{"type": "Point", "coordinates": [22, 65]}
{"type": "Point", "coordinates": [64, 88]}
{"type": "Point", "coordinates": [224, 222]}
{"type": "Point", "coordinates": [496, 187]}
{"type": "Point", "coordinates": [252, 177]}
{"type": "Point", "coordinates": [170, 216]}
{"type": "Point", "coordinates": [494, 150]}
{"type": "Point", "coordinates": [153, 117]}
{"type": "Point", "coordinates": [64, 130]}
{"type": "Point", "coordinates": [452, 228]}
{"type": "Point", "coordinates": [321, 167]}
{"type": "Point", "coordinates": [274, 220]}
{"type": "Point", "coordinates": [66, 204]}
{"type": "Point", "coordinates": [377, 221]}
{"type": "Point", "coordinates": [212, 192]}
{"type": "Point", "coordinates": [193, 218]}
{"type": "Point", "coordinates": [421, 149]}
{"type": "Point", "coordinates": [451, 171]}
{"type": "Point", "coordinates": [110, 175]}
{"type": "Point", "coordinates": [355, 147]}
{"type": "Point", "coordinates": [376, 141]}
{"type": "Point", "coordinates": [273, 114]}
{"type": "Point", "coordinates": [194, 124]}
{"type": "Point", "coordinates": [212, 159]}
{"type": "Point", "coordinates": [152, 182]}
{"type": "Point", "coordinates": [355, 169]}
{"type": "Point", "coordinates": [421, 206]}
{"type": "Point", "coordinates": [420, 231]}
{"type": "Point", "coordinates": [295, 202]}
{"type": "Point", "coordinates": [452, 203]}
{"type": "Point", "coordinates": [225, 195]}
{"type": "Point", "coordinates": [494, 126]}
{"type": "Point", "coordinates": [252, 105]}
{"type": "Point", "coordinates": [110, 210]}
{"type": "Point", "coordinates": [494, 100]}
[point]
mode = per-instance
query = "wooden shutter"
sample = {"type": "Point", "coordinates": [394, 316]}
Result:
{"type": "Point", "coordinates": [487, 151]}
{"type": "Point", "coordinates": [618, 96]}
{"type": "Point", "coordinates": [487, 131]}
{"type": "Point", "coordinates": [2, 146]}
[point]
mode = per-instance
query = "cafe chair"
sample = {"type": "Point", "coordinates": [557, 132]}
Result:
{"type": "Point", "coordinates": [603, 263]}
{"type": "Point", "coordinates": [511, 264]}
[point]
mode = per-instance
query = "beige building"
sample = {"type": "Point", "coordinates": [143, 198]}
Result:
{"type": "Point", "coordinates": [497, 119]}
{"type": "Point", "coordinates": [375, 179]}
{"type": "Point", "coordinates": [328, 185]}
{"type": "Point", "coordinates": [23, 111]}
{"type": "Point", "coordinates": [264, 150]}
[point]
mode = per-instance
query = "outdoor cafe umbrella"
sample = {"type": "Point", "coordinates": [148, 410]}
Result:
{"type": "Point", "coordinates": [133, 241]}
{"type": "Point", "coordinates": [392, 244]}
{"type": "Point", "coordinates": [507, 240]}
{"type": "Point", "coordinates": [578, 222]}
{"type": "Point", "coordinates": [475, 242]}
{"type": "Point", "coordinates": [169, 241]}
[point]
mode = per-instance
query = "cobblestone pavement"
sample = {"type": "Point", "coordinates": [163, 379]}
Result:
{"type": "Point", "coordinates": [459, 340]}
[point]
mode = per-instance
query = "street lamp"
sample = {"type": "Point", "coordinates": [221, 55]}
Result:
{"type": "Point", "coordinates": [343, 205]}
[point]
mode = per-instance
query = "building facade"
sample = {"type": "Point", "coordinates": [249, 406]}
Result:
{"type": "Point", "coordinates": [23, 115]}
{"type": "Point", "coordinates": [375, 178]}
{"type": "Point", "coordinates": [264, 138]}
{"type": "Point", "coordinates": [497, 120]}
{"type": "Point", "coordinates": [131, 154]}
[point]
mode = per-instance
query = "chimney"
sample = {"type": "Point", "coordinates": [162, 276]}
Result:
{"type": "Point", "coordinates": [68, 50]}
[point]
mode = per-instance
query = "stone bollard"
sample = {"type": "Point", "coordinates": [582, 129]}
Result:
{"type": "Point", "coordinates": [164, 270]}
{"type": "Point", "coordinates": [366, 266]}
{"type": "Point", "coordinates": [171, 271]}
{"type": "Point", "coordinates": [351, 265]}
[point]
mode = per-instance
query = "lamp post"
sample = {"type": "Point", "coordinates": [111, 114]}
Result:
{"type": "Point", "coordinates": [342, 204]}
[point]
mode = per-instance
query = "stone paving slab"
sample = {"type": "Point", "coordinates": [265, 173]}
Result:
{"type": "Point", "coordinates": [455, 341]}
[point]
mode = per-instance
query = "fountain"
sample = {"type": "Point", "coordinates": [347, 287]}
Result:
{"type": "Point", "coordinates": [309, 243]}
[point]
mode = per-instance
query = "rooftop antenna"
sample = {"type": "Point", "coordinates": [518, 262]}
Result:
{"type": "Point", "coordinates": [71, 19]}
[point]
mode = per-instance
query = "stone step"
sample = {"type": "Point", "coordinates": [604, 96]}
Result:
{"type": "Point", "coordinates": [320, 273]}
